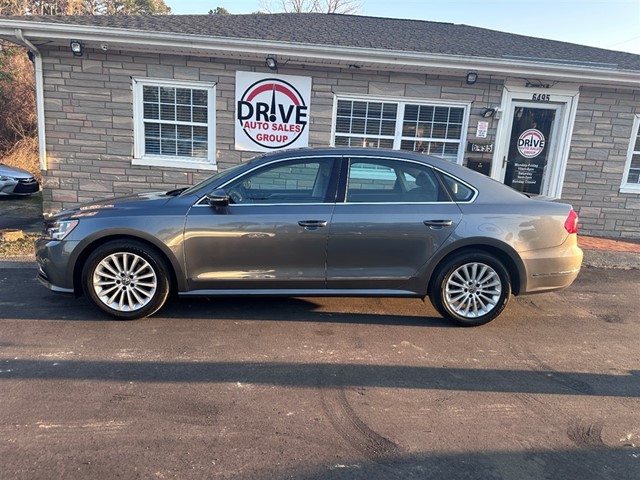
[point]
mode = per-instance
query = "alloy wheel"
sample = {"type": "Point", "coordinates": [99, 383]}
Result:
{"type": "Point", "coordinates": [473, 290]}
{"type": "Point", "coordinates": [124, 281]}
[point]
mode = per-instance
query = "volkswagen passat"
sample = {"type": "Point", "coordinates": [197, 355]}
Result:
{"type": "Point", "coordinates": [323, 222]}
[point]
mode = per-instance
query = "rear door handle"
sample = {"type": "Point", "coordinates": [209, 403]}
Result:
{"type": "Point", "coordinates": [438, 223]}
{"type": "Point", "coordinates": [312, 224]}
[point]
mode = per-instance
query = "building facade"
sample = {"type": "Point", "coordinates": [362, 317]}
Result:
{"type": "Point", "coordinates": [155, 108]}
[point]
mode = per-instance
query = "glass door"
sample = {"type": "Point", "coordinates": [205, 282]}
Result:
{"type": "Point", "coordinates": [531, 153]}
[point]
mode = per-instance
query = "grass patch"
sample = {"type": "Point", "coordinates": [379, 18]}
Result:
{"type": "Point", "coordinates": [22, 247]}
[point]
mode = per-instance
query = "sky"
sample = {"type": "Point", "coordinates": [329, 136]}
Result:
{"type": "Point", "coordinates": [611, 24]}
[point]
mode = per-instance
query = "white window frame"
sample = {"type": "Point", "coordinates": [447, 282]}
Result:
{"type": "Point", "coordinates": [626, 187]}
{"type": "Point", "coordinates": [401, 103]}
{"type": "Point", "coordinates": [141, 158]}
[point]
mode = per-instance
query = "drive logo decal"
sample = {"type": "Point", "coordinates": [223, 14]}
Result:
{"type": "Point", "coordinates": [271, 112]}
{"type": "Point", "coordinates": [531, 143]}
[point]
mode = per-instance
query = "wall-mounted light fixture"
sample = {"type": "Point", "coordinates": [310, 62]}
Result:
{"type": "Point", "coordinates": [76, 47]}
{"type": "Point", "coordinates": [472, 77]}
{"type": "Point", "coordinates": [271, 63]}
{"type": "Point", "coordinates": [490, 112]}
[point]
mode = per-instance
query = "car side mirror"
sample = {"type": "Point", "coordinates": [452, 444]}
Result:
{"type": "Point", "coordinates": [218, 198]}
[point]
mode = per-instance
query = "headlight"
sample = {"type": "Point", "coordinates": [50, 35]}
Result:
{"type": "Point", "coordinates": [6, 179]}
{"type": "Point", "coordinates": [60, 229]}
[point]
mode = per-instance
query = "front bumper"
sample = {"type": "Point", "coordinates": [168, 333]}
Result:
{"type": "Point", "coordinates": [44, 280]}
{"type": "Point", "coordinates": [55, 269]}
{"type": "Point", "coordinates": [19, 187]}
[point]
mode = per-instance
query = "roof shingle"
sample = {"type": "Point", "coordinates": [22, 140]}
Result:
{"type": "Point", "coordinates": [360, 32]}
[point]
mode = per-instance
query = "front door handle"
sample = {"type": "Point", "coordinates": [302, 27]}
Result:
{"type": "Point", "coordinates": [312, 224]}
{"type": "Point", "coordinates": [438, 223]}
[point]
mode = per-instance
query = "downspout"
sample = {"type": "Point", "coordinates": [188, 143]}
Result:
{"type": "Point", "coordinates": [42, 147]}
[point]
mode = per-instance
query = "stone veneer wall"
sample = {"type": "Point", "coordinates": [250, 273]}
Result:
{"type": "Point", "coordinates": [599, 147]}
{"type": "Point", "coordinates": [89, 115]}
{"type": "Point", "coordinates": [89, 127]}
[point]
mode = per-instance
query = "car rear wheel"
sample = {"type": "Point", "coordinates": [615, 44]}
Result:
{"type": "Point", "coordinates": [471, 289]}
{"type": "Point", "coordinates": [126, 279]}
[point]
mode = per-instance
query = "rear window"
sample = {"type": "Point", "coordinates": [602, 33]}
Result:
{"type": "Point", "coordinates": [460, 192]}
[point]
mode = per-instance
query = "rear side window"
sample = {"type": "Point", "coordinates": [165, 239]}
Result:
{"type": "Point", "coordinates": [460, 192]}
{"type": "Point", "coordinates": [377, 180]}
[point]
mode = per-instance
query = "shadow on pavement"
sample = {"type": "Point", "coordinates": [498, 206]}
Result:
{"type": "Point", "coordinates": [584, 464]}
{"type": "Point", "coordinates": [41, 304]}
{"type": "Point", "coordinates": [329, 375]}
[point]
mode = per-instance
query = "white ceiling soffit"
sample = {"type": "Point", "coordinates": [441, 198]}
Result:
{"type": "Point", "coordinates": [119, 39]}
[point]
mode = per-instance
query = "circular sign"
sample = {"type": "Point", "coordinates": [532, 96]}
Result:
{"type": "Point", "coordinates": [531, 143]}
{"type": "Point", "coordinates": [272, 113]}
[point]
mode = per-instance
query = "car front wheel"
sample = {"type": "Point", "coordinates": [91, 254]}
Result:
{"type": "Point", "coordinates": [126, 279]}
{"type": "Point", "coordinates": [471, 289]}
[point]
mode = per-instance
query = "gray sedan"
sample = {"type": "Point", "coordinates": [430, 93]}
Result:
{"type": "Point", "coordinates": [318, 222]}
{"type": "Point", "coordinates": [15, 181]}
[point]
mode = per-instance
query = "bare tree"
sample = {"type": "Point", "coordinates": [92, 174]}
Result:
{"type": "Point", "coordinates": [219, 11]}
{"type": "Point", "coordinates": [18, 126]}
{"type": "Point", "coordinates": [312, 6]}
{"type": "Point", "coordinates": [83, 7]}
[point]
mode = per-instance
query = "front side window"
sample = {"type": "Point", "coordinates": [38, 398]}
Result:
{"type": "Point", "coordinates": [174, 123]}
{"type": "Point", "coordinates": [631, 179]}
{"type": "Point", "coordinates": [290, 182]}
{"type": "Point", "coordinates": [434, 129]}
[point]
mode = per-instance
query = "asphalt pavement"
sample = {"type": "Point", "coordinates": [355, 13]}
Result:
{"type": "Point", "coordinates": [321, 388]}
{"type": "Point", "coordinates": [324, 388]}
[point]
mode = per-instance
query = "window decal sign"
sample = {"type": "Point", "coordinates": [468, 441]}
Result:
{"type": "Point", "coordinates": [531, 143]}
{"type": "Point", "coordinates": [272, 112]}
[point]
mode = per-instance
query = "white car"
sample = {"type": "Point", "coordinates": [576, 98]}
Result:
{"type": "Point", "coordinates": [15, 181]}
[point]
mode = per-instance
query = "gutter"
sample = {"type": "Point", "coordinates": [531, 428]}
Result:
{"type": "Point", "coordinates": [42, 146]}
{"type": "Point", "coordinates": [322, 54]}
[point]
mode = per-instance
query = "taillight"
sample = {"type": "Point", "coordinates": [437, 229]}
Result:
{"type": "Point", "coordinates": [571, 223]}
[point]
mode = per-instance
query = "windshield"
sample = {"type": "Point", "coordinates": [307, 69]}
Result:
{"type": "Point", "coordinates": [208, 181]}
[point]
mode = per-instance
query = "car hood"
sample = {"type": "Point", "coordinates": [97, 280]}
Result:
{"type": "Point", "coordinates": [7, 171]}
{"type": "Point", "coordinates": [129, 202]}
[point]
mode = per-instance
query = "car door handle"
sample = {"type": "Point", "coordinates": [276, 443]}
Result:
{"type": "Point", "coordinates": [312, 224]}
{"type": "Point", "coordinates": [438, 223]}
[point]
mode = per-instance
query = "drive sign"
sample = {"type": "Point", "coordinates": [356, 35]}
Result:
{"type": "Point", "coordinates": [272, 112]}
{"type": "Point", "coordinates": [531, 143]}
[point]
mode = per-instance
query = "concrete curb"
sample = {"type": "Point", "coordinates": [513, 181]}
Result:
{"type": "Point", "coordinates": [22, 261]}
{"type": "Point", "coordinates": [606, 259]}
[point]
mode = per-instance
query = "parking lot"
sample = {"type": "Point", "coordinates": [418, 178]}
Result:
{"type": "Point", "coordinates": [24, 213]}
{"type": "Point", "coordinates": [321, 388]}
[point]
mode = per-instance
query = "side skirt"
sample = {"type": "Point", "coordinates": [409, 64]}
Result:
{"type": "Point", "coordinates": [298, 293]}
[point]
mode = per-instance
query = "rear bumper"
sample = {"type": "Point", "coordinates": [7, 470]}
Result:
{"type": "Point", "coordinates": [552, 268]}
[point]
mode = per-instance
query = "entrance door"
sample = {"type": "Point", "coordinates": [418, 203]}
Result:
{"type": "Point", "coordinates": [531, 155]}
{"type": "Point", "coordinates": [533, 136]}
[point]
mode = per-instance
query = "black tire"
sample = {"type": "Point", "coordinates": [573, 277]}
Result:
{"type": "Point", "coordinates": [126, 279]}
{"type": "Point", "coordinates": [471, 288]}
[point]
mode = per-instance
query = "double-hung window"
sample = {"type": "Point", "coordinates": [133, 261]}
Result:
{"type": "Point", "coordinates": [434, 128]}
{"type": "Point", "coordinates": [631, 178]}
{"type": "Point", "coordinates": [174, 123]}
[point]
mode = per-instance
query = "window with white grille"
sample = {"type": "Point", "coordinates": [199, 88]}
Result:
{"type": "Point", "coordinates": [174, 123]}
{"type": "Point", "coordinates": [631, 178]}
{"type": "Point", "coordinates": [433, 128]}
